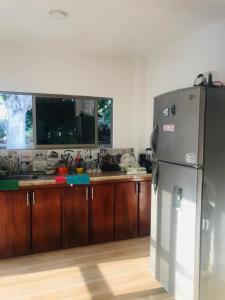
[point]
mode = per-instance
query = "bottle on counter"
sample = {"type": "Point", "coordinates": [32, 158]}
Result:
{"type": "Point", "coordinates": [79, 163]}
{"type": "Point", "coordinates": [78, 159]}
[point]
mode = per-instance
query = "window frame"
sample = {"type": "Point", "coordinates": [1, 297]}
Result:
{"type": "Point", "coordinates": [65, 146]}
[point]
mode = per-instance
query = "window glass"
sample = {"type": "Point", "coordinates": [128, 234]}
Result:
{"type": "Point", "coordinates": [16, 125]}
{"type": "Point", "coordinates": [68, 121]}
{"type": "Point", "coordinates": [105, 122]}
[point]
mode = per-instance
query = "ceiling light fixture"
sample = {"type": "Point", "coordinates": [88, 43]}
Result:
{"type": "Point", "coordinates": [58, 14]}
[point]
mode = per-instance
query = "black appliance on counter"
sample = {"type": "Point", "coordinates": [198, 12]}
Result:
{"type": "Point", "coordinates": [110, 163]}
{"type": "Point", "coordinates": [145, 160]}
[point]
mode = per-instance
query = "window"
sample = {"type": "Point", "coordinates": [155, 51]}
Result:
{"type": "Point", "coordinates": [104, 122]}
{"type": "Point", "coordinates": [16, 126]}
{"type": "Point", "coordinates": [65, 121]}
{"type": "Point", "coordinates": [29, 121]}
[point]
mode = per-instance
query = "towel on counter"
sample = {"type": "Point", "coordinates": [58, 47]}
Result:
{"type": "Point", "coordinates": [78, 179]}
{"type": "Point", "coordinates": [60, 179]}
{"type": "Point", "coordinates": [9, 185]}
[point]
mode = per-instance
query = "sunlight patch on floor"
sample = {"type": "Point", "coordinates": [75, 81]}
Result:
{"type": "Point", "coordinates": [118, 270]}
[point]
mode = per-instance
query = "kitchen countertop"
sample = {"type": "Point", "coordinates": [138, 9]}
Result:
{"type": "Point", "coordinates": [95, 177]}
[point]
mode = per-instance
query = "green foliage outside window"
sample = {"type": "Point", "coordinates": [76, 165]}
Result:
{"type": "Point", "coordinates": [29, 123]}
{"type": "Point", "coordinates": [105, 112]}
{"type": "Point", "coordinates": [104, 122]}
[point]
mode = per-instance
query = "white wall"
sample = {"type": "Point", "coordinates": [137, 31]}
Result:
{"type": "Point", "coordinates": [178, 65]}
{"type": "Point", "coordinates": [31, 71]}
{"type": "Point", "coordinates": [132, 84]}
{"type": "Point", "coordinates": [140, 103]}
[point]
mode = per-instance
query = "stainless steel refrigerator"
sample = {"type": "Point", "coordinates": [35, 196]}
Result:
{"type": "Point", "coordinates": [188, 195]}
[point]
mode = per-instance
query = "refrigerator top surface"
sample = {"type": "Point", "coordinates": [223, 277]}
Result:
{"type": "Point", "coordinates": [183, 90]}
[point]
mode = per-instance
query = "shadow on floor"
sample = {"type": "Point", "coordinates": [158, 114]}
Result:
{"type": "Point", "coordinates": [87, 260]}
{"type": "Point", "coordinates": [99, 289]}
{"type": "Point", "coordinates": [75, 257]}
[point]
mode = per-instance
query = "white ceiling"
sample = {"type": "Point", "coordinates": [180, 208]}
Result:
{"type": "Point", "coordinates": [104, 27]}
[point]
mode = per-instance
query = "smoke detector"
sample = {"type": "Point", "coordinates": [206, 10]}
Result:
{"type": "Point", "coordinates": [58, 14]}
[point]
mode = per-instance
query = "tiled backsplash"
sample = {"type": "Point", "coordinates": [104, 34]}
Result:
{"type": "Point", "coordinates": [37, 160]}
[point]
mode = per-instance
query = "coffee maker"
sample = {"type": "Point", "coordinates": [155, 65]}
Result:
{"type": "Point", "coordinates": [145, 160]}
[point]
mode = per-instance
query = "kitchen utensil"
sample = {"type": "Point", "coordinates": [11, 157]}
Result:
{"type": "Point", "coordinates": [80, 170]}
{"type": "Point", "coordinates": [63, 170]}
{"type": "Point", "coordinates": [49, 171]}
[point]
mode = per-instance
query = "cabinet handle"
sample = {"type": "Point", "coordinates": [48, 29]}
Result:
{"type": "Point", "coordinates": [86, 193]}
{"type": "Point", "coordinates": [33, 198]}
{"type": "Point", "coordinates": [139, 187]}
{"type": "Point", "coordinates": [136, 187]}
{"type": "Point", "coordinates": [92, 193]}
{"type": "Point", "coordinates": [28, 199]}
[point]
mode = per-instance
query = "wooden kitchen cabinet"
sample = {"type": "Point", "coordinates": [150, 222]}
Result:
{"type": "Point", "coordinates": [75, 216]}
{"type": "Point", "coordinates": [46, 219]}
{"type": "Point", "coordinates": [126, 210]}
{"type": "Point", "coordinates": [15, 229]}
{"type": "Point", "coordinates": [144, 208]}
{"type": "Point", "coordinates": [102, 213]}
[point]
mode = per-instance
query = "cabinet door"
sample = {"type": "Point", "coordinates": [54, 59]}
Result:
{"type": "Point", "coordinates": [126, 210]}
{"type": "Point", "coordinates": [46, 219]}
{"type": "Point", "coordinates": [75, 216]}
{"type": "Point", "coordinates": [144, 208]}
{"type": "Point", "coordinates": [102, 213]}
{"type": "Point", "coordinates": [15, 227]}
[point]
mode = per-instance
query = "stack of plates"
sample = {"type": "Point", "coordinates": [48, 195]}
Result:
{"type": "Point", "coordinates": [130, 166]}
{"type": "Point", "coordinates": [133, 169]}
{"type": "Point", "coordinates": [138, 170]}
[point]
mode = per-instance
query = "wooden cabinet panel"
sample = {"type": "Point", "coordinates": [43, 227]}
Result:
{"type": "Point", "coordinates": [46, 219]}
{"type": "Point", "coordinates": [75, 216]}
{"type": "Point", "coordinates": [126, 210]}
{"type": "Point", "coordinates": [40, 220]}
{"type": "Point", "coordinates": [144, 208]}
{"type": "Point", "coordinates": [15, 230]}
{"type": "Point", "coordinates": [102, 213]}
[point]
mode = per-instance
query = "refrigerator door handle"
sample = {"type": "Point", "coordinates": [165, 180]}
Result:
{"type": "Point", "coordinates": [153, 138]}
{"type": "Point", "coordinates": [177, 197]}
{"type": "Point", "coordinates": [155, 177]}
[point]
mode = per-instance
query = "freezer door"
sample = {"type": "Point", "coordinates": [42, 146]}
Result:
{"type": "Point", "coordinates": [178, 126]}
{"type": "Point", "coordinates": [174, 235]}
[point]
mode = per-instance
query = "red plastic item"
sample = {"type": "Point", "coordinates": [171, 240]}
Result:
{"type": "Point", "coordinates": [60, 179]}
{"type": "Point", "coordinates": [62, 170]}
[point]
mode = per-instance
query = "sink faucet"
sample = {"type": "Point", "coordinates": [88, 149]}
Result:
{"type": "Point", "coordinates": [68, 150]}
{"type": "Point", "coordinates": [18, 163]}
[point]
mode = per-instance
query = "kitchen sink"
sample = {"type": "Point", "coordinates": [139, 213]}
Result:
{"type": "Point", "coordinates": [22, 176]}
{"type": "Point", "coordinates": [27, 177]}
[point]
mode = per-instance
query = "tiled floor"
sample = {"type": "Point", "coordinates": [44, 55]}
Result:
{"type": "Point", "coordinates": [117, 270]}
